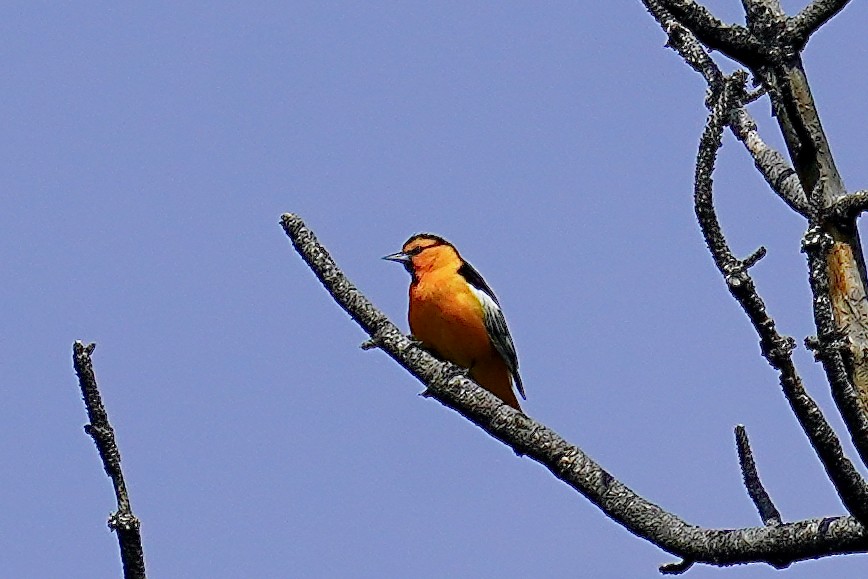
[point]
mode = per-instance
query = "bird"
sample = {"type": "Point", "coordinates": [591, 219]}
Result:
{"type": "Point", "coordinates": [455, 315]}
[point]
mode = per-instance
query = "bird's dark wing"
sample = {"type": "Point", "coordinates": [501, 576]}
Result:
{"type": "Point", "coordinates": [494, 321]}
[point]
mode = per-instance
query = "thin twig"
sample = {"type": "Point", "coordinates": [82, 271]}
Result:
{"type": "Point", "coordinates": [676, 568]}
{"type": "Point", "coordinates": [755, 489]}
{"type": "Point", "coordinates": [447, 383]}
{"type": "Point", "coordinates": [811, 18]}
{"type": "Point", "coordinates": [777, 349]}
{"type": "Point", "coordinates": [123, 522]}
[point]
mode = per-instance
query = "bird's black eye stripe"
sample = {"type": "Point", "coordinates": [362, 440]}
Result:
{"type": "Point", "coordinates": [415, 251]}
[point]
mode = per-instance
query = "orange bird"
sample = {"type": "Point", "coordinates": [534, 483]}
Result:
{"type": "Point", "coordinates": [455, 314]}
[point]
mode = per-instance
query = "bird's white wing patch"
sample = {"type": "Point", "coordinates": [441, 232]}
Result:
{"type": "Point", "coordinates": [498, 333]}
{"type": "Point", "coordinates": [487, 301]}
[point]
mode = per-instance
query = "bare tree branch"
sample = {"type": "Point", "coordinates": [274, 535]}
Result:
{"type": "Point", "coordinates": [779, 545]}
{"type": "Point", "coordinates": [685, 43]}
{"type": "Point", "coordinates": [850, 486]}
{"type": "Point", "coordinates": [731, 39]}
{"type": "Point", "coordinates": [779, 175]}
{"type": "Point", "coordinates": [845, 338]}
{"type": "Point", "coordinates": [841, 314]}
{"type": "Point", "coordinates": [777, 172]}
{"type": "Point", "coordinates": [759, 13]}
{"type": "Point", "coordinates": [811, 18]}
{"type": "Point", "coordinates": [832, 348]}
{"type": "Point", "coordinates": [676, 568]}
{"type": "Point", "coordinates": [849, 207]}
{"type": "Point", "coordinates": [771, 51]}
{"type": "Point", "coordinates": [755, 489]}
{"type": "Point", "coordinates": [123, 522]}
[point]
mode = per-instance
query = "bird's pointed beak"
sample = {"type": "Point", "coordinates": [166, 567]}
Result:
{"type": "Point", "coordinates": [400, 257]}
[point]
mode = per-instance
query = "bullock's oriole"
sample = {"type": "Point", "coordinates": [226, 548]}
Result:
{"type": "Point", "coordinates": [455, 314]}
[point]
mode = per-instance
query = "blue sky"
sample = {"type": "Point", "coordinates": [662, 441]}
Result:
{"type": "Point", "coordinates": [148, 152]}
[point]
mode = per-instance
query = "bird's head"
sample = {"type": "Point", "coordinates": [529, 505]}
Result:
{"type": "Point", "coordinates": [424, 252]}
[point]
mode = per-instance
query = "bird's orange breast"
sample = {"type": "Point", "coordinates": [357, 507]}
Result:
{"type": "Point", "coordinates": [447, 317]}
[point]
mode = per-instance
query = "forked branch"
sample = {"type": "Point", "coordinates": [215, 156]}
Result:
{"type": "Point", "coordinates": [777, 349]}
{"type": "Point", "coordinates": [770, 46]}
{"type": "Point", "coordinates": [779, 175]}
{"type": "Point", "coordinates": [729, 38]}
